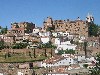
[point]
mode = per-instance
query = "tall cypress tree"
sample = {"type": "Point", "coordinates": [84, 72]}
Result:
{"type": "Point", "coordinates": [85, 45]}
{"type": "Point", "coordinates": [45, 52]}
{"type": "Point", "coordinates": [34, 53]}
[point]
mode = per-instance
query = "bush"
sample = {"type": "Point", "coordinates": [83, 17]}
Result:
{"type": "Point", "coordinates": [19, 45]}
{"type": "Point", "coordinates": [85, 65]}
{"type": "Point", "coordinates": [70, 51]}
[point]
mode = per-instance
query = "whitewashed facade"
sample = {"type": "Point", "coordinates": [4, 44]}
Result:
{"type": "Point", "coordinates": [64, 46]}
{"type": "Point", "coordinates": [43, 34]}
{"type": "Point", "coordinates": [45, 40]}
{"type": "Point", "coordinates": [63, 62]}
{"type": "Point", "coordinates": [80, 57]}
{"type": "Point", "coordinates": [1, 74]}
{"type": "Point", "coordinates": [20, 73]}
{"type": "Point", "coordinates": [36, 30]}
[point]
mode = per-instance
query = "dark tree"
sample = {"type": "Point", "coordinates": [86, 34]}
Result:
{"type": "Point", "coordinates": [93, 29]}
{"type": "Point", "coordinates": [2, 46]}
{"type": "Point", "coordinates": [34, 53]}
{"type": "Point", "coordinates": [45, 52]}
{"type": "Point", "coordinates": [51, 53]}
{"type": "Point", "coordinates": [30, 54]}
{"type": "Point", "coordinates": [17, 26]}
{"type": "Point", "coordinates": [85, 65]}
{"type": "Point", "coordinates": [85, 45]}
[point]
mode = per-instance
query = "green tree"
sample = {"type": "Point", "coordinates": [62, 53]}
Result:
{"type": "Point", "coordinates": [72, 42]}
{"type": "Point", "coordinates": [93, 29]}
{"type": "Point", "coordinates": [70, 51]}
{"type": "Point", "coordinates": [19, 45]}
{"type": "Point", "coordinates": [9, 55]}
{"type": "Point", "coordinates": [17, 26]}
{"type": "Point", "coordinates": [34, 53]}
{"type": "Point", "coordinates": [4, 30]}
{"type": "Point", "coordinates": [29, 28]}
{"type": "Point", "coordinates": [85, 48]}
{"type": "Point", "coordinates": [45, 52]}
{"type": "Point", "coordinates": [51, 52]}
{"type": "Point", "coordinates": [96, 69]}
{"type": "Point", "coordinates": [48, 45]}
{"type": "Point", "coordinates": [60, 52]}
{"type": "Point", "coordinates": [50, 28]}
{"type": "Point", "coordinates": [98, 30]}
{"type": "Point", "coordinates": [30, 54]}
{"type": "Point", "coordinates": [85, 65]}
{"type": "Point", "coordinates": [0, 27]}
{"type": "Point", "coordinates": [2, 46]}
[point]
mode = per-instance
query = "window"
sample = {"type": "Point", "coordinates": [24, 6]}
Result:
{"type": "Point", "coordinates": [66, 29]}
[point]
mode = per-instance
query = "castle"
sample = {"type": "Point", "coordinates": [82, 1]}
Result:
{"type": "Point", "coordinates": [76, 27]}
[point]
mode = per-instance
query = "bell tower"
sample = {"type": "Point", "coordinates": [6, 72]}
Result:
{"type": "Point", "coordinates": [89, 18]}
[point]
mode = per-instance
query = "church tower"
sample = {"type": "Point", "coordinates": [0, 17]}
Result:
{"type": "Point", "coordinates": [89, 18]}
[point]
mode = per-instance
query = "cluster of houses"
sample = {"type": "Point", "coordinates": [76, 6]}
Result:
{"type": "Point", "coordinates": [65, 35]}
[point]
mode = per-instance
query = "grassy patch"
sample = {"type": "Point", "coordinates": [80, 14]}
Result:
{"type": "Point", "coordinates": [20, 58]}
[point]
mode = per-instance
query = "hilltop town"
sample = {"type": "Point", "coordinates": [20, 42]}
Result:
{"type": "Point", "coordinates": [59, 47]}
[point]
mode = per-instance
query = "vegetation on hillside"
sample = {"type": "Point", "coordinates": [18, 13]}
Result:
{"type": "Point", "coordinates": [94, 29]}
{"type": "Point", "coordinates": [70, 51]}
{"type": "Point", "coordinates": [19, 45]}
{"type": "Point", "coordinates": [47, 45]}
{"type": "Point", "coordinates": [2, 45]}
{"type": "Point", "coordinates": [3, 30]}
{"type": "Point", "coordinates": [51, 28]}
{"type": "Point", "coordinates": [96, 69]}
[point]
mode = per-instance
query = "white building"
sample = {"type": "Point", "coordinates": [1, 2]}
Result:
{"type": "Point", "coordinates": [89, 18]}
{"type": "Point", "coordinates": [20, 73]}
{"type": "Point", "coordinates": [43, 34]}
{"type": "Point", "coordinates": [57, 41]}
{"type": "Point", "coordinates": [55, 34]}
{"type": "Point", "coordinates": [91, 59]}
{"type": "Point", "coordinates": [59, 61]}
{"type": "Point", "coordinates": [36, 30]}
{"type": "Point", "coordinates": [45, 39]}
{"type": "Point", "coordinates": [80, 57]}
{"type": "Point", "coordinates": [1, 74]}
{"type": "Point", "coordinates": [64, 45]}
